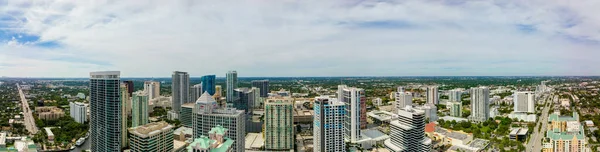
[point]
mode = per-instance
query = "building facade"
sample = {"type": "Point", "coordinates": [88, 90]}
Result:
{"type": "Point", "coordinates": [156, 136]}
{"type": "Point", "coordinates": [215, 142]}
{"type": "Point", "coordinates": [125, 112]}
{"type": "Point", "coordinates": [196, 91]}
{"type": "Point", "coordinates": [524, 101]}
{"type": "Point", "coordinates": [407, 134]}
{"type": "Point", "coordinates": [565, 134]}
{"type": "Point", "coordinates": [49, 113]}
{"type": "Point", "coordinates": [263, 85]}
{"type": "Point", "coordinates": [153, 89]}
{"type": "Point", "coordinates": [139, 114]}
{"type": "Point", "coordinates": [207, 114]}
{"type": "Point", "coordinates": [455, 109]}
{"type": "Point", "coordinates": [455, 95]}
{"type": "Point", "coordinates": [403, 99]}
{"type": "Point", "coordinates": [245, 99]}
{"type": "Point", "coordinates": [356, 111]}
{"type": "Point", "coordinates": [480, 101]}
{"type": "Point", "coordinates": [279, 124]}
{"type": "Point", "coordinates": [328, 129]}
{"type": "Point", "coordinates": [78, 111]}
{"type": "Point", "coordinates": [105, 111]}
{"type": "Point", "coordinates": [208, 84]}
{"type": "Point", "coordinates": [180, 84]}
{"type": "Point", "coordinates": [432, 95]}
{"type": "Point", "coordinates": [232, 84]}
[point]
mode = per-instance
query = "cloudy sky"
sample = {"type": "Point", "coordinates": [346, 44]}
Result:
{"type": "Point", "coordinates": [70, 38]}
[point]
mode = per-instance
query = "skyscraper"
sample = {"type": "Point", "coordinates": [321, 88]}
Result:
{"type": "Point", "coordinates": [156, 136]}
{"type": "Point", "coordinates": [432, 95]}
{"type": "Point", "coordinates": [153, 89]}
{"type": "Point", "coordinates": [354, 98]}
{"type": "Point", "coordinates": [129, 87]}
{"type": "Point", "coordinates": [455, 109]}
{"type": "Point", "coordinates": [180, 84]}
{"type": "Point", "coordinates": [139, 114]}
{"type": "Point", "coordinates": [480, 99]}
{"type": "Point", "coordinates": [245, 99]}
{"type": "Point", "coordinates": [403, 99]}
{"type": "Point", "coordinates": [125, 112]}
{"type": "Point", "coordinates": [105, 105]}
{"type": "Point", "coordinates": [408, 132]}
{"type": "Point", "coordinates": [196, 91]}
{"type": "Point", "coordinates": [207, 114]}
{"type": "Point", "coordinates": [279, 124]}
{"type": "Point", "coordinates": [232, 84]}
{"type": "Point", "coordinates": [524, 101]}
{"type": "Point", "coordinates": [455, 95]}
{"type": "Point", "coordinates": [328, 130]}
{"type": "Point", "coordinates": [208, 84]}
{"type": "Point", "coordinates": [263, 85]}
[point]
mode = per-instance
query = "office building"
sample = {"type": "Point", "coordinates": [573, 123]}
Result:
{"type": "Point", "coordinates": [455, 95]}
{"type": "Point", "coordinates": [328, 129]}
{"type": "Point", "coordinates": [565, 134]}
{"type": "Point", "coordinates": [156, 136]}
{"type": "Point", "coordinates": [196, 91]}
{"type": "Point", "coordinates": [105, 111]}
{"type": "Point", "coordinates": [279, 124]}
{"type": "Point", "coordinates": [139, 114]}
{"type": "Point", "coordinates": [186, 116]}
{"type": "Point", "coordinates": [245, 99]}
{"type": "Point", "coordinates": [264, 87]}
{"type": "Point", "coordinates": [125, 112]}
{"type": "Point", "coordinates": [524, 101]}
{"type": "Point", "coordinates": [180, 84]}
{"type": "Point", "coordinates": [78, 111]}
{"type": "Point", "coordinates": [480, 109]}
{"type": "Point", "coordinates": [432, 95]}
{"type": "Point", "coordinates": [408, 132]}
{"type": "Point", "coordinates": [215, 142]}
{"type": "Point", "coordinates": [153, 89]}
{"type": "Point", "coordinates": [403, 99]}
{"type": "Point", "coordinates": [455, 109]}
{"type": "Point", "coordinates": [232, 84]}
{"type": "Point", "coordinates": [207, 114]}
{"type": "Point", "coordinates": [218, 91]}
{"type": "Point", "coordinates": [208, 84]}
{"type": "Point", "coordinates": [129, 85]}
{"type": "Point", "coordinates": [356, 111]}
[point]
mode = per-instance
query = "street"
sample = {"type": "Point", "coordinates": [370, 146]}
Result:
{"type": "Point", "coordinates": [535, 142]}
{"type": "Point", "coordinates": [29, 121]}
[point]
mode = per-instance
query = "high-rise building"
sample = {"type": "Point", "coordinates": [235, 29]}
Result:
{"type": "Point", "coordinates": [263, 85]}
{"type": "Point", "coordinates": [524, 101]}
{"type": "Point", "coordinates": [480, 107]}
{"type": "Point", "coordinates": [258, 101]}
{"type": "Point", "coordinates": [153, 89]}
{"type": "Point", "coordinates": [218, 91]}
{"type": "Point", "coordinates": [430, 112]}
{"type": "Point", "coordinates": [232, 84]}
{"type": "Point", "coordinates": [78, 111]}
{"type": "Point", "coordinates": [408, 132]}
{"type": "Point", "coordinates": [279, 124]}
{"type": "Point", "coordinates": [105, 111]}
{"type": "Point", "coordinates": [455, 109]}
{"type": "Point", "coordinates": [196, 91]}
{"type": "Point", "coordinates": [403, 99]}
{"type": "Point", "coordinates": [186, 116]}
{"type": "Point", "coordinates": [125, 112]}
{"type": "Point", "coordinates": [129, 86]}
{"type": "Point", "coordinates": [180, 85]}
{"type": "Point", "coordinates": [245, 99]}
{"type": "Point", "coordinates": [432, 95]}
{"type": "Point", "coordinates": [328, 130]}
{"type": "Point", "coordinates": [455, 95]}
{"type": "Point", "coordinates": [208, 84]}
{"type": "Point", "coordinates": [207, 114]}
{"type": "Point", "coordinates": [355, 99]}
{"type": "Point", "coordinates": [139, 114]}
{"type": "Point", "coordinates": [156, 136]}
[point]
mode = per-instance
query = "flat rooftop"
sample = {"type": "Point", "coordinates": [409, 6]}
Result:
{"type": "Point", "coordinates": [150, 129]}
{"type": "Point", "coordinates": [254, 141]}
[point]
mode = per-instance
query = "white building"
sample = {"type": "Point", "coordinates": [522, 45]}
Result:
{"type": "Point", "coordinates": [328, 131]}
{"type": "Point", "coordinates": [523, 116]}
{"type": "Point", "coordinates": [524, 101]}
{"type": "Point", "coordinates": [480, 109]}
{"type": "Point", "coordinates": [432, 95]}
{"type": "Point", "coordinates": [455, 95]}
{"type": "Point", "coordinates": [430, 112]}
{"type": "Point", "coordinates": [78, 111]}
{"type": "Point", "coordinates": [356, 112]}
{"type": "Point", "coordinates": [378, 102]}
{"type": "Point", "coordinates": [153, 89]}
{"type": "Point", "coordinates": [196, 91]}
{"type": "Point", "coordinates": [403, 99]}
{"type": "Point", "coordinates": [408, 132]}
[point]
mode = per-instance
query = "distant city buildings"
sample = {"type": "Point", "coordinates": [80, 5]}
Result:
{"type": "Point", "coordinates": [180, 84]}
{"type": "Point", "coordinates": [408, 132]}
{"type": "Point", "coordinates": [196, 91]}
{"type": "Point", "coordinates": [403, 99]}
{"type": "Point", "coordinates": [279, 124]}
{"type": "Point", "coordinates": [153, 89]}
{"type": "Point", "coordinates": [208, 84]}
{"type": "Point", "coordinates": [207, 114]}
{"type": "Point", "coordinates": [328, 130]}
{"type": "Point", "coordinates": [139, 114]}
{"type": "Point", "coordinates": [232, 84]}
{"type": "Point", "coordinates": [129, 87]}
{"type": "Point", "coordinates": [156, 136]}
{"type": "Point", "coordinates": [455, 95]}
{"type": "Point", "coordinates": [105, 114]}
{"type": "Point", "coordinates": [524, 101]}
{"type": "Point", "coordinates": [356, 112]}
{"type": "Point", "coordinates": [263, 85]}
{"type": "Point", "coordinates": [480, 109]}
{"type": "Point", "coordinates": [432, 95]}
{"type": "Point", "coordinates": [455, 109]}
{"type": "Point", "coordinates": [78, 111]}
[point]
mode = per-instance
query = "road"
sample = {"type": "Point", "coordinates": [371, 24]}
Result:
{"type": "Point", "coordinates": [535, 142]}
{"type": "Point", "coordinates": [29, 121]}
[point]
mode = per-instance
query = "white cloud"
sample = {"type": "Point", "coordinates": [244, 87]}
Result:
{"type": "Point", "coordinates": [304, 38]}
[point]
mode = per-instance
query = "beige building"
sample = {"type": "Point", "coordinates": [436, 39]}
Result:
{"type": "Point", "coordinates": [279, 124]}
{"type": "Point", "coordinates": [156, 136]}
{"type": "Point", "coordinates": [153, 89]}
{"type": "Point", "coordinates": [565, 134]}
{"type": "Point", "coordinates": [49, 113]}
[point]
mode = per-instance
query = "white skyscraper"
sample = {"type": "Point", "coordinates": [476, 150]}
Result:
{"type": "Point", "coordinates": [407, 134]}
{"type": "Point", "coordinates": [153, 89]}
{"type": "Point", "coordinates": [432, 95]}
{"type": "Point", "coordinates": [78, 111]}
{"type": "Point", "coordinates": [328, 130]}
{"type": "Point", "coordinates": [232, 84]}
{"type": "Point", "coordinates": [480, 109]}
{"type": "Point", "coordinates": [455, 95]}
{"type": "Point", "coordinates": [524, 101]}
{"type": "Point", "coordinates": [354, 98]}
{"type": "Point", "coordinates": [403, 99]}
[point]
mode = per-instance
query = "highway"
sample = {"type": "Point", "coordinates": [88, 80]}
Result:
{"type": "Point", "coordinates": [535, 142]}
{"type": "Point", "coordinates": [29, 121]}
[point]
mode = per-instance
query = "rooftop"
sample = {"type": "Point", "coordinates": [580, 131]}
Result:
{"type": "Point", "coordinates": [254, 141]}
{"type": "Point", "coordinates": [556, 134]}
{"type": "Point", "coordinates": [150, 129]}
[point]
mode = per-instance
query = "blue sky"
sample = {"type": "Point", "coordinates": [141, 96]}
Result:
{"type": "Point", "coordinates": [300, 38]}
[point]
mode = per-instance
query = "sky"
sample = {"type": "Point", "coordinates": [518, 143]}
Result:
{"type": "Point", "coordinates": [153, 38]}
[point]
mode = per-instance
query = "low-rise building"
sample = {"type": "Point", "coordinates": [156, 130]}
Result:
{"type": "Point", "coordinates": [254, 142]}
{"type": "Point", "coordinates": [183, 133]}
{"type": "Point", "coordinates": [49, 113]}
{"type": "Point", "coordinates": [382, 117]}
{"type": "Point", "coordinates": [49, 134]}
{"type": "Point", "coordinates": [519, 134]}
{"type": "Point", "coordinates": [2, 140]}
{"type": "Point", "coordinates": [523, 116]}
{"type": "Point", "coordinates": [215, 142]}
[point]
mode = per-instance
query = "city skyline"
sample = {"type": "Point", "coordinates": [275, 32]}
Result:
{"type": "Point", "coordinates": [299, 38]}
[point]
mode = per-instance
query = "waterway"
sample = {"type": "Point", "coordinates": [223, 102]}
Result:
{"type": "Point", "coordinates": [85, 146]}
